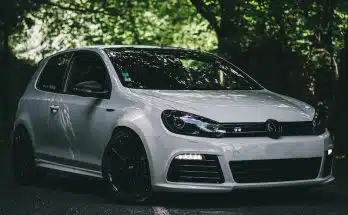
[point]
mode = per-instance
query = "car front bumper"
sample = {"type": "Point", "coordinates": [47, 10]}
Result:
{"type": "Point", "coordinates": [169, 145]}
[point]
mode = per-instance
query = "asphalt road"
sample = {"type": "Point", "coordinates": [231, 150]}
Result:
{"type": "Point", "coordinates": [56, 194]}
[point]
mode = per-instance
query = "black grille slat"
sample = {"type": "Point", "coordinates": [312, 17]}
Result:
{"type": "Point", "coordinates": [247, 127]}
{"type": "Point", "coordinates": [259, 129]}
{"type": "Point", "coordinates": [203, 172]}
{"type": "Point", "coordinates": [297, 128]}
{"type": "Point", "coordinates": [196, 171]}
{"type": "Point", "coordinates": [198, 179]}
{"type": "Point", "coordinates": [258, 171]}
{"type": "Point", "coordinates": [196, 166]}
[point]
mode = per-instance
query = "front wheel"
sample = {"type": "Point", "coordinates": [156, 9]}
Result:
{"type": "Point", "coordinates": [126, 168]}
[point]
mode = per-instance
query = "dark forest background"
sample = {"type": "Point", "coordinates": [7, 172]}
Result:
{"type": "Point", "coordinates": [294, 47]}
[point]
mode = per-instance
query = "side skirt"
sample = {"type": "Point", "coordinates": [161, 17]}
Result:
{"type": "Point", "coordinates": [67, 168]}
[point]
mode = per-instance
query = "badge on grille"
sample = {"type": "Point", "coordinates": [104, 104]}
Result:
{"type": "Point", "coordinates": [274, 128]}
{"type": "Point", "coordinates": [237, 129]}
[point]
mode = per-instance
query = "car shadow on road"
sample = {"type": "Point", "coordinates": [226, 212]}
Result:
{"type": "Point", "coordinates": [273, 197]}
{"type": "Point", "coordinates": [279, 197]}
{"type": "Point", "coordinates": [72, 184]}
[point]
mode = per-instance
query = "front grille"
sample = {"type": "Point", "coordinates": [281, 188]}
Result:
{"type": "Point", "coordinates": [196, 171]}
{"type": "Point", "coordinates": [259, 129]}
{"type": "Point", "coordinates": [297, 128]}
{"type": "Point", "coordinates": [327, 165]}
{"type": "Point", "coordinates": [258, 171]}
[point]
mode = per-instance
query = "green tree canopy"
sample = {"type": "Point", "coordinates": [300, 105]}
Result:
{"type": "Point", "coordinates": [64, 24]}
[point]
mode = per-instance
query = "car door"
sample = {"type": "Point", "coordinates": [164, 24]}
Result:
{"type": "Point", "coordinates": [47, 127]}
{"type": "Point", "coordinates": [85, 106]}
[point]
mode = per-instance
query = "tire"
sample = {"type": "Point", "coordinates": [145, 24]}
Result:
{"type": "Point", "coordinates": [23, 162]}
{"type": "Point", "coordinates": [125, 168]}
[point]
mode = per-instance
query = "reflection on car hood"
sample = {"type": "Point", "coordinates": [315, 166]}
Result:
{"type": "Point", "coordinates": [232, 106]}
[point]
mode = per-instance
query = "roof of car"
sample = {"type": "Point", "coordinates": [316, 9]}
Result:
{"type": "Point", "coordinates": [96, 47]}
{"type": "Point", "coordinates": [123, 46]}
{"type": "Point", "coordinates": [132, 46]}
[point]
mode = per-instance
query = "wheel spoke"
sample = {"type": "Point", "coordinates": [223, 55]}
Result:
{"type": "Point", "coordinates": [128, 167]}
{"type": "Point", "coordinates": [118, 155]}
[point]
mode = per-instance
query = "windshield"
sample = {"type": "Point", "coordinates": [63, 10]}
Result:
{"type": "Point", "coordinates": [175, 69]}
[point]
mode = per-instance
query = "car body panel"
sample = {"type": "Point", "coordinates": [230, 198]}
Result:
{"type": "Point", "coordinates": [233, 106]}
{"type": "Point", "coordinates": [74, 139]}
{"type": "Point", "coordinates": [83, 127]}
{"type": "Point", "coordinates": [33, 111]}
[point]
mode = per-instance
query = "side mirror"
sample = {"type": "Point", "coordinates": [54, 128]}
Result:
{"type": "Point", "coordinates": [90, 88]}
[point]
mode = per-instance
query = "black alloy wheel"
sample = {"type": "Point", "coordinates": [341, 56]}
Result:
{"type": "Point", "coordinates": [23, 162]}
{"type": "Point", "coordinates": [126, 168]}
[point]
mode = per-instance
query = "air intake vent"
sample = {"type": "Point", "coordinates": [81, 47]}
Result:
{"type": "Point", "coordinates": [258, 171]}
{"type": "Point", "coordinates": [207, 170]}
{"type": "Point", "coordinates": [327, 165]}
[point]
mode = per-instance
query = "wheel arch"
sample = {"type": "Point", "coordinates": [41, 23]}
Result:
{"type": "Point", "coordinates": [23, 122]}
{"type": "Point", "coordinates": [143, 121]}
{"type": "Point", "coordinates": [137, 131]}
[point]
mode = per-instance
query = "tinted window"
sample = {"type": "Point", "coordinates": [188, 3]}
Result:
{"type": "Point", "coordinates": [87, 67]}
{"type": "Point", "coordinates": [175, 69]}
{"type": "Point", "coordinates": [52, 76]}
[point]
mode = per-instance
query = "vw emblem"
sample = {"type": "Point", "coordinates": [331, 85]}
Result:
{"type": "Point", "coordinates": [237, 129]}
{"type": "Point", "coordinates": [274, 128]}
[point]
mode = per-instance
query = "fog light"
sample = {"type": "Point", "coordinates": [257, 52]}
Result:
{"type": "Point", "coordinates": [189, 156]}
{"type": "Point", "coordinates": [329, 151]}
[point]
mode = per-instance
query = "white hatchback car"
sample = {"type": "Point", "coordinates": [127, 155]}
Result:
{"type": "Point", "coordinates": [165, 119]}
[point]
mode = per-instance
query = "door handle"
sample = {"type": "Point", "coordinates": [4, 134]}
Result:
{"type": "Point", "coordinates": [54, 108]}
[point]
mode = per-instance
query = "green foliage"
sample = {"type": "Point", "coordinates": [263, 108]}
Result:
{"type": "Point", "coordinates": [307, 34]}
{"type": "Point", "coordinates": [170, 23]}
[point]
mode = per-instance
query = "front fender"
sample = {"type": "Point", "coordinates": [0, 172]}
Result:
{"type": "Point", "coordinates": [147, 128]}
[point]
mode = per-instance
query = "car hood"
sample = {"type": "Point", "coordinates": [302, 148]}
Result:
{"type": "Point", "coordinates": [231, 106]}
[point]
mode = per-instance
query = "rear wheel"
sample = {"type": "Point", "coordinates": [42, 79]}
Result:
{"type": "Point", "coordinates": [126, 168]}
{"type": "Point", "coordinates": [24, 168]}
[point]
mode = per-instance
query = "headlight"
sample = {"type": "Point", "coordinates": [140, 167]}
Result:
{"type": "Point", "coordinates": [189, 124]}
{"type": "Point", "coordinates": [319, 120]}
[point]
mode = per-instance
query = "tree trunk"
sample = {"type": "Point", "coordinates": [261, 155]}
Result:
{"type": "Point", "coordinates": [228, 28]}
{"type": "Point", "coordinates": [6, 53]}
{"type": "Point", "coordinates": [229, 43]}
{"type": "Point", "coordinates": [281, 75]}
{"type": "Point", "coordinates": [4, 82]}
{"type": "Point", "coordinates": [330, 47]}
{"type": "Point", "coordinates": [341, 115]}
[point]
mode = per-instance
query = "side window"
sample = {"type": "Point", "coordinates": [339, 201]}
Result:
{"type": "Point", "coordinates": [52, 76]}
{"type": "Point", "coordinates": [88, 76]}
